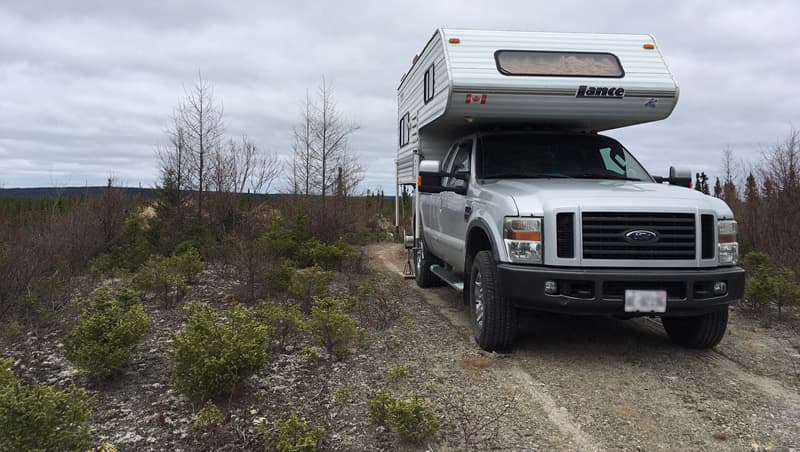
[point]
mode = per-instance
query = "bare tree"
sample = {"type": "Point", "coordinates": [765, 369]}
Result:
{"type": "Point", "coordinates": [201, 118]}
{"type": "Point", "coordinates": [321, 163]}
{"type": "Point", "coordinates": [331, 132]}
{"type": "Point", "coordinates": [301, 177]}
{"type": "Point", "coordinates": [253, 170]}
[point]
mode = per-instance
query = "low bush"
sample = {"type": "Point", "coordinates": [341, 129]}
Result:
{"type": "Point", "coordinates": [167, 278]}
{"type": "Point", "coordinates": [130, 250]}
{"type": "Point", "coordinates": [188, 264]}
{"type": "Point", "coordinates": [331, 326]}
{"type": "Point", "coordinates": [214, 353]}
{"type": "Point", "coordinates": [209, 418]}
{"type": "Point", "coordinates": [284, 319]}
{"type": "Point", "coordinates": [278, 277]}
{"type": "Point", "coordinates": [397, 373]}
{"type": "Point", "coordinates": [307, 284]}
{"type": "Point", "coordinates": [768, 283]}
{"type": "Point", "coordinates": [36, 418]}
{"type": "Point", "coordinates": [328, 256]}
{"type": "Point", "coordinates": [293, 435]}
{"type": "Point", "coordinates": [412, 418]}
{"type": "Point", "coordinates": [106, 333]}
{"type": "Point", "coordinates": [378, 408]}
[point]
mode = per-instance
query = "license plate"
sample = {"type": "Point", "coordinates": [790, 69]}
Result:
{"type": "Point", "coordinates": [645, 301]}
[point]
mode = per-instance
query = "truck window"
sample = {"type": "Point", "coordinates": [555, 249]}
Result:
{"type": "Point", "coordinates": [527, 155]}
{"type": "Point", "coordinates": [458, 162]}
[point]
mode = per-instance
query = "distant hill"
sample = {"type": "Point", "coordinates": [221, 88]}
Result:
{"type": "Point", "coordinates": [51, 192]}
{"type": "Point", "coordinates": [131, 192]}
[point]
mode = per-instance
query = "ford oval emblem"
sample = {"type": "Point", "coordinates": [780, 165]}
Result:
{"type": "Point", "coordinates": [641, 236]}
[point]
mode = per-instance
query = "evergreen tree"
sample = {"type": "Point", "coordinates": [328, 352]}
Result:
{"type": "Point", "coordinates": [751, 190]}
{"type": "Point", "coordinates": [717, 189]}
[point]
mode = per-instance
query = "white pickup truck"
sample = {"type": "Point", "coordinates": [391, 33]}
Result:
{"type": "Point", "coordinates": [521, 204]}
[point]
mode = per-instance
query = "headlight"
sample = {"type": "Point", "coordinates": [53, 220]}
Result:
{"type": "Point", "coordinates": [523, 238]}
{"type": "Point", "coordinates": [728, 247]}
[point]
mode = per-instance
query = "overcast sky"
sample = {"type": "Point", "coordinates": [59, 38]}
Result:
{"type": "Point", "coordinates": [87, 86]}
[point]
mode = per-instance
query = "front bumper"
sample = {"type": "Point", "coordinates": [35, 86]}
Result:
{"type": "Point", "coordinates": [601, 291]}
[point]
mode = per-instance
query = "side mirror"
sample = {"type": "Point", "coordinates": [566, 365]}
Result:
{"type": "Point", "coordinates": [677, 176]}
{"type": "Point", "coordinates": [430, 178]}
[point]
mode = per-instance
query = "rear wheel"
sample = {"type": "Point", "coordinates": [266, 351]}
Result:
{"type": "Point", "coordinates": [702, 331]}
{"type": "Point", "coordinates": [422, 266]}
{"type": "Point", "coordinates": [492, 315]}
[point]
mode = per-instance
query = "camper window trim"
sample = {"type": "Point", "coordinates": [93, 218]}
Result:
{"type": "Point", "coordinates": [429, 84]}
{"type": "Point", "coordinates": [563, 52]}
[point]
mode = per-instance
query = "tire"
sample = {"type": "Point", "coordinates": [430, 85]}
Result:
{"type": "Point", "coordinates": [422, 266]}
{"type": "Point", "coordinates": [491, 315]}
{"type": "Point", "coordinates": [702, 331]}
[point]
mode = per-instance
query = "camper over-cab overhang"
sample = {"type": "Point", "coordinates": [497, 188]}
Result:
{"type": "Point", "coordinates": [468, 80]}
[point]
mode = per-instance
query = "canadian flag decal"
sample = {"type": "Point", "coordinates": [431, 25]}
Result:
{"type": "Point", "coordinates": [475, 98]}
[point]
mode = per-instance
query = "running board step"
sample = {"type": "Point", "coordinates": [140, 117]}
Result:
{"type": "Point", "coordinates": [452, 280]}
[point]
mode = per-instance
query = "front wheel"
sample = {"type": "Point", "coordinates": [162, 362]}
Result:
{"type": "Point", "coordinates": [702, 331]}
{"type": "Point", "coordinates": [492, 314]}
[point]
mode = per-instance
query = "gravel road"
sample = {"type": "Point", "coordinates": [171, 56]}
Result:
{"type": "Point", "coordinates": [595, 383]}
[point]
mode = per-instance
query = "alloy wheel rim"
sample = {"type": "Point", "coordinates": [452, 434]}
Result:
{"type": "Point", "coordinates": [420, 257]}
{"type": "Point", "coordinates": [477, 300]}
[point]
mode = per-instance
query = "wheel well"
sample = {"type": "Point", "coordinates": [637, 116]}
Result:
{"type": "Point", "coordinates": [477, 240]}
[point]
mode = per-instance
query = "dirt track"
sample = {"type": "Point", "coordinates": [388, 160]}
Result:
{"type": "Point", "coordinates": [594, 383]}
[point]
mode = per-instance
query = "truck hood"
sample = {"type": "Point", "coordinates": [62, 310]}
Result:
{"type": "Point", "coordinates": [537, 196]}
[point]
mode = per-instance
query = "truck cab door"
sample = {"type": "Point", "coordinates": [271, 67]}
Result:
{"type": "Point", "coordinates": [453, 219]}
{"type": "Point", "coordinates": [431, 206]}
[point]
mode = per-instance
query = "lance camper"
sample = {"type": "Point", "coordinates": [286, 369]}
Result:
{"type": "Point", "coordinates": [520, 203]}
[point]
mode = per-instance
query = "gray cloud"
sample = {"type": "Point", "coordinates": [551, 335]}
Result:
{"type": "Point", "coordinates": [87, 87]}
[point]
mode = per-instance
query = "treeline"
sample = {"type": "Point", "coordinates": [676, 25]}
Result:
{"type": "Point", "coordinates": [764, 195]}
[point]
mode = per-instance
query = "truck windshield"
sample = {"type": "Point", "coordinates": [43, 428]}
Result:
{"type": "Point", "coordinates": [555, 156]}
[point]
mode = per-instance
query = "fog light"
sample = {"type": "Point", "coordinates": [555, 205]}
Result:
{"type": "Point", "coordinates": [720, 288]}
{"type": "Point", "coordinates": [551, 287]}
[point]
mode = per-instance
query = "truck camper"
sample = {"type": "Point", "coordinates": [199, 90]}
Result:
{"type": "Point", "coordinates": [520, 202]}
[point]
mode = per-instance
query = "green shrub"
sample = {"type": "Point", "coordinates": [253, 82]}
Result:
{"type": "Point", "coordinates": [378, 408]}
{"type": "Point", "coordinates": [214, 353]}
{"type": "Point", "coordinates": [188, 264]}
{"type": "Point", "coordinates": [209, 418]}
{"type": "Point", "coordinates": [167, 277]}
{"type": "Point", "coordinates": [184, 247]}
{"type": "Point", "coordinates": [282, 239]}
{"type": "Point", "coordinates": [397, 373]}
{"type": "Point", "coordinates": [279, 276]}
{"type": "Point", "coordinates": [284, 319]}
{"type": "Point", "coordinates": [768, 283]}
{"type": "Point", "coordinates": [36, 418]}
{"type": "Point", "coordinates": [326, 256]}
{"type": "Point", "coordinates": [410, 416]}
{"type": "Point", "coordinates": [331, 326]}
{"type": "Point", "coordinates": [307, 284]}
{"type": "Point", "coordinates": [293, 435]}
{"type": "Point", "coordinates": [131, 250]}
{"type": "Point", "coordinates": [106, 333]}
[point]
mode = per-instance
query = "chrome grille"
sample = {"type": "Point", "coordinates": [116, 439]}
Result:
{"type": "Point", "coordinates": [604, 235]}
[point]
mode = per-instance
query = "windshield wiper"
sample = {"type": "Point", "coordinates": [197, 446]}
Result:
{"type": "Point", "coordinates": [604, 176]}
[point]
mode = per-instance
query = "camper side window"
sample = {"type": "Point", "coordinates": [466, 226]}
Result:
{"type": "Point", "coordinates": [404, 130]}
{"type": "Point", "coordinates": [428, 84]}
